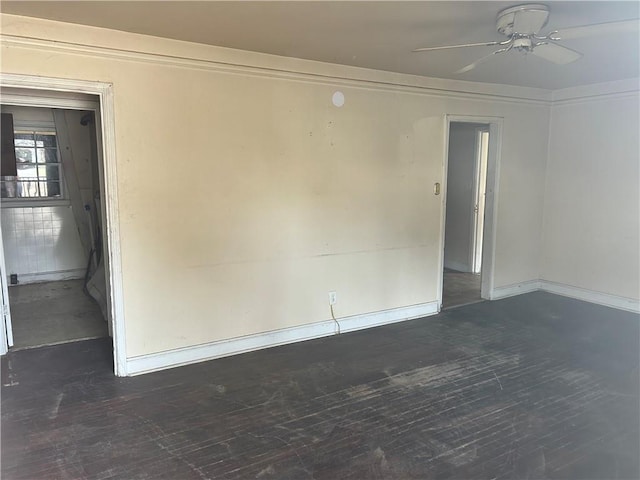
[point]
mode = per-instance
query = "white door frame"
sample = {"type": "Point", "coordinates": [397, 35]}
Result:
{"type": "Point", "coordinates": [40, 92]}
{"type": "Point", "coordinates": [491, 200]}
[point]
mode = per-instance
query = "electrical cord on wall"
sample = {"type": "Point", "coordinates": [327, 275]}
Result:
{"type": "Point", "coordinates": [334, 319]}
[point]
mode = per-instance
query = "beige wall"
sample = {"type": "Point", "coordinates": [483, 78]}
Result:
{"type": "Point", "coordinates": [245, 195]}
{"type": "Point", "coordinates": [592, 199]}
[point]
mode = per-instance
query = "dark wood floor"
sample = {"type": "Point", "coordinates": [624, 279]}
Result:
{"type": "Point", "coordinates": [535, 386]}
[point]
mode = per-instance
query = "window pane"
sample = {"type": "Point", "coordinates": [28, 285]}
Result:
{"type": "Point", "coordinates": [8, 189]}
{"type": "Point", "coordinates": [25, 155]}
{"type": "Point", "coordinates": [45, 140]}
{"type": "Point", "coordinates": [53, 172]}
{"type": "Point", "coordinates": [48, 172]}
{"type": "Point", "coordinates": [27, 171]}
{"type": "Point", "coordinates": [50, 189]}
{"type": "Point", "coordinates": [24, 140]}
{"type": "Point", "coordinates": [50, 156]}
{"type": "Point", "coordinates": [47, 155]}
{"type": "Point", "coordinates": [27, 189]}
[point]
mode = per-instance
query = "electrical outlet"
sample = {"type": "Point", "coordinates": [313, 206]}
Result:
{"type": "Point", "coordinates": [333, 298]}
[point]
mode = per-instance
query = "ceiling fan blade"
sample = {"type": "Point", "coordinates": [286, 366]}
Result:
{"type": "Point", "coordinates": [624, 26]}
{"type": "Point", "coordinates": [446, 47]}
{"type": "Point", "coordinates": [473, 65]}
{"type": "Point", "coordinates": [556, 53]}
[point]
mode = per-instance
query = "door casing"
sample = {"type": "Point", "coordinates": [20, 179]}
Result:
{"type": "Point", "coordinates": [35, 91]}
{"type": "Point", "coordinates": [491, 200]}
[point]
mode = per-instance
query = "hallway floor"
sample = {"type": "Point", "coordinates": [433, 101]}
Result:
{"type": "Point", "coordinates": [53, 312]}
{"type": "Point", "coordinates": [460, 288]}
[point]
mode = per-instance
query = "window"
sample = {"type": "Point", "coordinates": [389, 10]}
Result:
{"type": "Point", "coordinates": [39, 172]}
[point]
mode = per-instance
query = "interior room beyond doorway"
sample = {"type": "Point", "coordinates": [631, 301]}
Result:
{"type": "Point", "coordinates": [52, 226]}
{"type": "Point", "coordinates": [465, 212]}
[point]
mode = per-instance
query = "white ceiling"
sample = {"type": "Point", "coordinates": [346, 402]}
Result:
{"type": "Point", "coordinates": [377, 35]}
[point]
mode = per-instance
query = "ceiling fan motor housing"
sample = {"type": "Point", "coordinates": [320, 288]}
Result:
{"type": "Point", "coordinates": [522, 20]}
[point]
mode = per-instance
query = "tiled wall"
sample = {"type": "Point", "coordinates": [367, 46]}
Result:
{"type": "Point", "coordinates": [42, 243]}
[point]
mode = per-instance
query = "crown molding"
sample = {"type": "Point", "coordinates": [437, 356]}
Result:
{"type": "Point", "coordinates": [597, 91]}
{"type": "Point", "coordinates": [62, 37]}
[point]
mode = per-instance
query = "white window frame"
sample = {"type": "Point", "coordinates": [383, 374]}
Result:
{"type": "Point", "coordinates": [63, 199]}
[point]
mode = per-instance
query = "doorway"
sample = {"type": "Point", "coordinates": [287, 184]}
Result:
{"type": "Point", "coordinates": [51, 225]}
{"type": "Point", "coordinates": [470, 198]}
{"type": "Point", "coordinates": [88, 272]}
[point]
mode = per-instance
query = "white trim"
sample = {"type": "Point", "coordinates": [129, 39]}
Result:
{"type": "Point", "coordinates": [41, 100]}
{"type": "Point", "coordinates": [104, 91]}
{"type": "Point", "coordinates": [596, 98]}
{"type": "Point", "coordinates": [596, 91]}
{"type": "Point", "coordinates": [386, 317]}
{"type": "Point", "coordinates": [27, 278]}
{"type": "Point", "coordinates": [209, 351]}
{"type": "Point", "coordinates": [606, 299]}
{"type": "Point", "coordinates": [514, 289]}
{"type": "Point", "coordinates": [44, 84]}
{"type": "Point", "coordinates": [112, 230]}
{"type": "Point", "coordinates": [492, 189]}
{"type": "Point", "coordinates": [443, 213]}
{"type": "Point", "coordinates": [591, 296]}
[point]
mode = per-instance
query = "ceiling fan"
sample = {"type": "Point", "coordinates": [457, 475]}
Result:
{"type": "Point", "coordinates": [521, 25]}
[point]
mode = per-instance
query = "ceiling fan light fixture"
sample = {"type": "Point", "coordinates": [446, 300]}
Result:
{"type": "Point", "coordinates": [523, 44]}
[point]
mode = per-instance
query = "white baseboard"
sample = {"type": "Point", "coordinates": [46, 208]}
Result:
{"type": "Point", "coordinates": [209, 351]}
{"type": "Point", "coordinates": [457, 266]}
{"type": "Point", "coordinates": [385, 317]}
{"type": "Point", "coordinates": [514, 289]}
{"type": "Point", "coordinates": [26, 278]}
{"type": "Point", "coordinates": [606, 299]}
{"type": "Point", "coordinates": [233, 346]}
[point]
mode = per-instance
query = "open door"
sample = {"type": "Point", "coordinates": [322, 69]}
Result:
{"type": "Point", "coordinates": [479, 190]}
{"type": "Point", "coordinates": [6, 337]}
